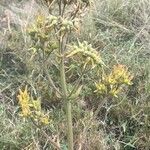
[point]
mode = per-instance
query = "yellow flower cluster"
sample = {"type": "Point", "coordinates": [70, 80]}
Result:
{"type": "Point", "coordinates": [119, 75]}
{"type": "Point", "coordinates": [112, 84]}
{"type": "Point", "coordinates": [43, 26]}
{"type": "Point", "coordinates": [31, 108]}
{"type": "Point", "coordinates": [24, 98]}
{"type": "Point", "coordinates": [42, 30]}
{"type": "Point", "coordinates": [85, 52]}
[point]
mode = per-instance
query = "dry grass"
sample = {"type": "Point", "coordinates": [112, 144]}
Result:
{"type": "Point", "coordinates": [120, 30]}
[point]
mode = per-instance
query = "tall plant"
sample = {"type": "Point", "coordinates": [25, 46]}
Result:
{"type": "Point", "coordinates": [52, 42]}
{"type": "Point", "coordinates": [51, 39]}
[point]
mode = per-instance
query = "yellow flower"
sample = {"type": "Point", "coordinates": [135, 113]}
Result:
{"type": "Point", "coordinates": [119, 75]}
{"type": "Point", "coordinates": [127, 81]}
{"type": "Point", "coordinates": [24, 98]}
{"type": "Point", "coordinates": [44, 120]}
{"type": "Point", "coordinates": [31, 108]}
{"type": "Point", "coordinates": [36, 104]}
{"type": "Point", "coordinates": [101, 88]}
{"type": "Point", "coordinates": [112, 83]}
{"type": "Point", "coordinates": [111, 80]}
{"type": "Point", "coordinates": [85, 51]}
{"type": "Point", "coordinates": [40, 19]}
{"type": "Point", "coordinates": [114, 92]}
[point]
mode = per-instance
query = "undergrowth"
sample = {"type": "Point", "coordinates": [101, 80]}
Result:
{"type": "Point", "coordinates": [119, 31]}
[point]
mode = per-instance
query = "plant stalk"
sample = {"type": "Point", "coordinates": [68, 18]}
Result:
{"type": "Point", "coordinates": [69, 125]}
{"type": "Point", "coordinates": [64, 94]}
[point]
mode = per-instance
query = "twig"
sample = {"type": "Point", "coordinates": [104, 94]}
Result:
{"type": "Point", "coordinates": [51, 81]}
{"type": "Point", "coordinates": [50, 140]}
{"type": "Point", "coordinates": [44, 133]}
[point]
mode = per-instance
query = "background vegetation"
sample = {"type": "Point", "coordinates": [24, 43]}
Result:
{"type": "Point", "coordinates": [120, 31]}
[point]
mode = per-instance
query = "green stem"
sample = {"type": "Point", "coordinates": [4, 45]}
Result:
{"type": "Point", "coordinates": [62, 46]}
{"type": "Point", "coordinates": [69, 125]}
{"type": "Point", "coordinates": [65, 98]}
